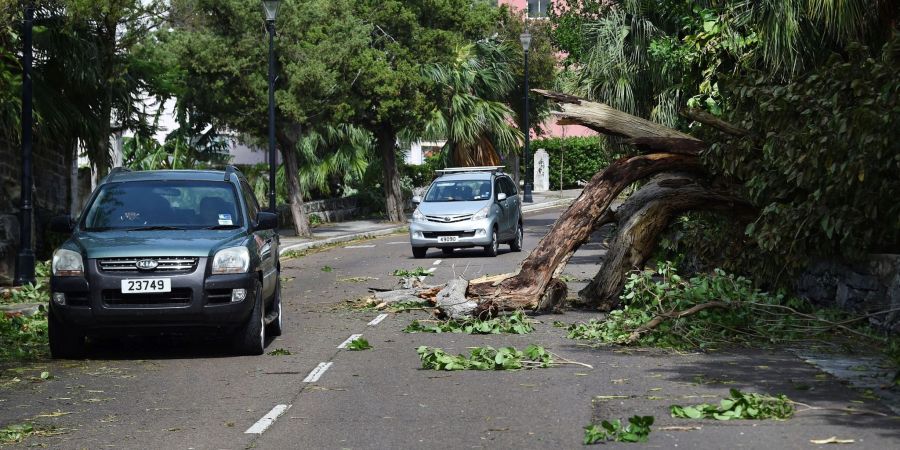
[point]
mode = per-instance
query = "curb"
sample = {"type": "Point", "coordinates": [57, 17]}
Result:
{"type": "Point", "coordinates": [343, 238]}
{"type": "Point", "coordinates": [547, 205]}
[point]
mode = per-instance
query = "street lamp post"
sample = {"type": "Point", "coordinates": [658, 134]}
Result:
{"type": "Point", "coordinates": [271, 9]}
{"type": "Point", "coordinates": [25, 258]}
{"type": "Point", "coordinates": [525, 38]}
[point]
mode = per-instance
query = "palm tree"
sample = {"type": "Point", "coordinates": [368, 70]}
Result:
{"type": "Point", "coordinates": [478, 127]}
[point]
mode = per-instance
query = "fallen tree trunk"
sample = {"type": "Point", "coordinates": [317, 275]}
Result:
{"type": "Point", "coordinates": [575, 226]}
{"type": "Point", "coordinates": [642, 218]}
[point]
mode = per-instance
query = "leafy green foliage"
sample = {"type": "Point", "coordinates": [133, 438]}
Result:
{"type": "Point", "coordinates": [23, 337]}
{"type": "Point", "coordinates": [327, 269]}
{"type": "Point", "coordinates": [280, 352]}
{"type": "Point", "coordinates": [15, 433]}
{"type": "Point", "coordinates": [822, 162]}
{"type": "Point", "coordinates": [516, 323]}
{"type": "Point", "coordinates": [747, 315]}
{"type": "Point", "coordinates": [359, 344]}
{"type": "Point", "coordinates": [637, 430]}
{"type": "Point", "coordinates": [486, 358]}
{"type": "Point", "coordinates": [739, 405]}
{"type": "Point", "coordinates": [580, 157]}
{"type": "Point", "coordinates": [417, 272]}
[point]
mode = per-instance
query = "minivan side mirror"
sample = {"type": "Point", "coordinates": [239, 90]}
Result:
{"type": "Point", "coordinates": [266, 221]}
{"type": "Point", "coordinates": [62, 224]}
{"type": "Point", "coordinates": [416, 200]}
{"type": "Point", "coordinates": [501, 196]}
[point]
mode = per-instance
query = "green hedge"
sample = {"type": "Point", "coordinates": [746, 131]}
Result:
{"type": "Point", "coordinates": [581, 158]}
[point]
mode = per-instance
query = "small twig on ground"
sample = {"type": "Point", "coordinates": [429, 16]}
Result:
{"type": "Point", "coordinates": [844, 410]}
{"type": "Point", "coordinates": [653, 323]}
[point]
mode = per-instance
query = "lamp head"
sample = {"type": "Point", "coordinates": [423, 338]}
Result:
{"type": "Point", "coordinates": [271, 9]}
{"type": "Point", "coordinates": [525, 38]}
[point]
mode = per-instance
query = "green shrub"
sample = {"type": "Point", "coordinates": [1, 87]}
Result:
{"type": "Point", "coordinates": [580, 157]}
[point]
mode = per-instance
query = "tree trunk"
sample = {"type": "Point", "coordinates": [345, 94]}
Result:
{"type": "Point", "coordinates": [289, 156]}
{"type": "Point", "coordinates": [393, 197]}
{"type": "Point", "coordinates": [575, 226]}
{"type": "Point", "coordinates": [642, 218]}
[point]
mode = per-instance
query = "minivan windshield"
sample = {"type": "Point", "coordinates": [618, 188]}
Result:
{"type": "Point", "coordinates": [459, 191]}
{"type": "Point", "coordinates": [164, 205]}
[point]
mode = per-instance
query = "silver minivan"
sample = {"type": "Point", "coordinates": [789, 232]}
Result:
{"type": "Point", "coordinates": [467, 207]}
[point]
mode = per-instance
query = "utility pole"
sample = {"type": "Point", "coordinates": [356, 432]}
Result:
{"type": "Point", "coordinates": [25, 258]}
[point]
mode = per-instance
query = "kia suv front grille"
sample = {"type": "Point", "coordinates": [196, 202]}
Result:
{"type": "Point", "coordinates": [163, 264]}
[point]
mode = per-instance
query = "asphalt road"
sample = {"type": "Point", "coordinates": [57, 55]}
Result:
{"type": "Point", "coordinates": [190, 393]}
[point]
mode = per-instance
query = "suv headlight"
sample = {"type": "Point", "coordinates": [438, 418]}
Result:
{"type": "Point", "coordinates": [482, 213]}
{"type": "Point", "coordinates": [418, 216]}
{"type": "Point", "coordinates": [231, 260]}
{"type": "Point", "coordinates": [67, 263]}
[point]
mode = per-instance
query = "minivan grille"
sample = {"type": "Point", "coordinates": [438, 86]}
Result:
{"type": "Point", "coordinates": [449, 219]}
{"type": "Point", "coordinates": [165, 264]}
{"type": "Point", "coordinates": [435, 234]}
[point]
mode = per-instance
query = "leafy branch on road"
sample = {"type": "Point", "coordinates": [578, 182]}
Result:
{"type": "Point", "coordinates": [637, 430]}
{"type": "Point", "coordinates": [516, 323]}
{"type": "Point", "coordinates": [359, 344]}
{"type": "Point", "coordinates": [414, 273]}
{"type": "Point", "coordinates": [489, 358]}
{"type": "Point", "coordinates": [739, 405]}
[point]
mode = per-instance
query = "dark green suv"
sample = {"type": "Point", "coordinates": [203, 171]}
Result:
{"type": "Point", "coordinates": [175, 251]}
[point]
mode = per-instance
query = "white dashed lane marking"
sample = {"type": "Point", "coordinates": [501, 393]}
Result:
{"type": "Point", "coordinates": [431, 270]}
{"type": "Point", "coordinates": [377, 320]}
{"type": "Point", "coordinates": [317, 372]}
{"type": "Point", "coordinates": [360, 246]}
{"type": "Point", "coordinates": [437, 263]}
{"type": "Point", "coordinates": [267, 420]}
{"type": "Point", "coordinates": [350, 339]}
{"type": "Point", "coordinates": [397, 243]}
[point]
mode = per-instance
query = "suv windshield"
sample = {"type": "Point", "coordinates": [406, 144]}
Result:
{"type": "Point", "coordinates": [178, 204]}
{"type": "Point", "coordinates": [459, 191]}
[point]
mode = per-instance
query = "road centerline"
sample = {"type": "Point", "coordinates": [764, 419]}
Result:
{"type": "Point", "coordinates": [377, 320]}
{"type": "Point", "coordinates": [267, 420]}
{"type": "Point", "coordinates": [317, 372]}
{"type": "Point", "coordinates": [350, 339]}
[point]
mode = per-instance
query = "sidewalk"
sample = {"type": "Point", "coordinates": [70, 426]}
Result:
{"type": "Point", "coordinates": [331, 233]}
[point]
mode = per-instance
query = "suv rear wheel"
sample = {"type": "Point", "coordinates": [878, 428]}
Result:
{"type": "Point", "coordinates": [65, 343]}
{"type": "Point", "coordinates": [274, 327]}
{"type": "Point", "coordinates": [251, 337]}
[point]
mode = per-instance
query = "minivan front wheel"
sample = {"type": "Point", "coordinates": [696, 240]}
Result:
{"type": "Point", "coordinates": [419, 252]}
{"type": "Point", "coordinates": [494, 247]}
{"type": "Point", "coordinates": [65, 343]}
{"type": "Point", "coordinates": [251, 337]}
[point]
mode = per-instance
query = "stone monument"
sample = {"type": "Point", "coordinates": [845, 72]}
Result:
{"type": "Point", "coordinates": [541, 171]}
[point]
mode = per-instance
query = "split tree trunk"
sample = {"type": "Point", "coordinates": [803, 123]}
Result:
{"type": "Point", "coordinates": [642, 218]}
{"type": "Point", "coordinates": [291, 170]}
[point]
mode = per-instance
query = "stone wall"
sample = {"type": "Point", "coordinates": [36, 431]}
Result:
{"type": "Point", "coordinates": [329, 210]}
{"type": "Point", "coordinates": [51, 197]}
{"type": "Point", "coordinates": [862, 288]}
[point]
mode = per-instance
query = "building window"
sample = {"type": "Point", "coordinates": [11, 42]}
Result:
{"type": "Point", "coordinates": [537, 8]}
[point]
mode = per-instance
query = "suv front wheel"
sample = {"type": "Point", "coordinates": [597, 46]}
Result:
{"type": "Point", "coordinates": [251, 337]}
{"type": "Point", "coordinates": [64, 342]}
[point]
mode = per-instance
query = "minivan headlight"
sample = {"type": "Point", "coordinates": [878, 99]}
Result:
{"type": "Point", "coordinates": [67, 263]}
{"type": "Point", "coordinates": [418, 216]}
{"type": "Point", "coordinates": [482, 213]}
{"type": "Point", "coordinates": [231, 260]}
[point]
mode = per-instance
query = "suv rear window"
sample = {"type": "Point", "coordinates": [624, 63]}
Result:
{"type": "Point", "coordinates": [181, 204]}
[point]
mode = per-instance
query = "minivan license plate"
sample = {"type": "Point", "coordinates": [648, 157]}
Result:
{"type": "Point", "coordinates": [146, 285]}
{"type": "Point", "coordinates": [448, 238]}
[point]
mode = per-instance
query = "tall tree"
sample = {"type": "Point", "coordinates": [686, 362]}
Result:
{"type": "Point", "coordinates": [389, 91]}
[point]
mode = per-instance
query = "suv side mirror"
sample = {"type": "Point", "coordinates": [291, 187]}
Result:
{"type": "Point", "coordinates": [62, 224]}
{"type": "Point", "coordinates": [416, 200]}
{"type": "Point", "coordinates": [266, 221]}
{"type": "Point", "coordinates": [501, 196]}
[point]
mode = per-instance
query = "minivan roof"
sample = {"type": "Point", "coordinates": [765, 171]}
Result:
{"type": "Point", "coordinates": [468, 176]}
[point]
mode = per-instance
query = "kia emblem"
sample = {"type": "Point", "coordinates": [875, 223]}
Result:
{"type": "Point", "coordinates": [147, 264]}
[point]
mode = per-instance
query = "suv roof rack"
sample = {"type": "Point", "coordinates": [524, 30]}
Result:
{"type": "Point", "coordinates": [470, 169]}
{"type": "Point", "coordinates": [119, 169]}
{"type": "Point", "coordinates": [230, 169]}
